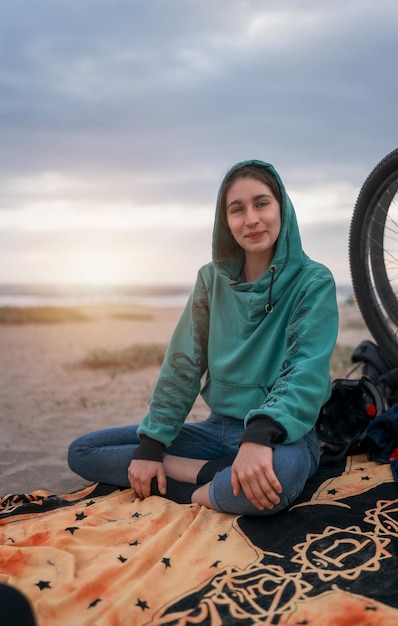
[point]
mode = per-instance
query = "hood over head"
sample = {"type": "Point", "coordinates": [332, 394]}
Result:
{"type": "Point", "coordinates": [289, 256]}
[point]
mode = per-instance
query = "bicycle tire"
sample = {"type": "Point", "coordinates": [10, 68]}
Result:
{"type": "Point", "coordinates": [373, 254]}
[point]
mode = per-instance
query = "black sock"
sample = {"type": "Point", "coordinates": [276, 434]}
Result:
{"type": "Point", "coordinates": [176, 490]}
{"type": "Point", "coordinates": [209, 469]}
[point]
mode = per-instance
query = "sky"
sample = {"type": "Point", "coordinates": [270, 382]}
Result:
{"type": "Point", "coordinates": [119, 118]}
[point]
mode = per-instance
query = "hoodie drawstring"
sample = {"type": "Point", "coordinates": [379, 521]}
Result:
{"type": "Point", "coordinates": [269, 307]}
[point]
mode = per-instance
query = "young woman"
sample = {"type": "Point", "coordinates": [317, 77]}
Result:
{"type": "Point", "coordinates": [261, 325]}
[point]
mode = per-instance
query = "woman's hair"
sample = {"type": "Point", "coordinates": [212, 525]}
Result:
{"type": "Point", "coordinates": [249, 170]}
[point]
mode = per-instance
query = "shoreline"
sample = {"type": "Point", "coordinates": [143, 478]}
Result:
{"type": "Point", "coordinates": [158, 296]}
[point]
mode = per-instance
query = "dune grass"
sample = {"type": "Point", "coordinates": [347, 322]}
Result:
{"type": "Point", "coordinates": [56, 314]}
{"type": "Point", "coordinates": [140, 356]}
{"type": "Point", "coordinates": [341, 363]}
{"type": "Point", "coordinates": [135, 357]}
{"type": "Point", "coordinates": [40, 315]}
{"type": "Point", "coordinates": [130, 316]}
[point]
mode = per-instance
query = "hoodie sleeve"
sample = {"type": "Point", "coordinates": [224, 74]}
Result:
{"type": "Point", "coordinates": [292, 406]}
{"type": "Point", "coordinates": [180, 376]}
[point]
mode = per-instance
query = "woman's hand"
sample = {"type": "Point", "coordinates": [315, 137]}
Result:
{"type": "Point", "coordinates": [140, 474]}
{"type": "Point", "coordinates": [253, 473]}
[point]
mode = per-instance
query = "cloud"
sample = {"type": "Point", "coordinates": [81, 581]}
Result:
{"type": "Point", "coordinates": [112, 107]}
{"type": "Point", "coordinates": [117, 84]}
{"type": "Point", "coordinates": [329, 245]}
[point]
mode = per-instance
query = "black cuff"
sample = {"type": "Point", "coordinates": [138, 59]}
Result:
{"type": "Point", "coordinates": [265, 430]}
{"type": "Point", "coordinates": [149, 449]}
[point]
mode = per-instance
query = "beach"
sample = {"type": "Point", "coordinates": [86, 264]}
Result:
{"type": "Point", "coordinates": [48, 397]}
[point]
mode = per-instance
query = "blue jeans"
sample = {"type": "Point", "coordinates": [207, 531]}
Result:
{"type": "Point", "coordinates": [105, 455]}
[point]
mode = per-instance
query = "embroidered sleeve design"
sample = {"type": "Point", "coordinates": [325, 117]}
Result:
{"type": "Point", "coordinates": [300, 312]}
{"type": "Point", "coordinates": [178, 386]}
{"type": "Point", "coordinates": [279, 390]}
{"type": "Point", "coordinates": [281, 386]}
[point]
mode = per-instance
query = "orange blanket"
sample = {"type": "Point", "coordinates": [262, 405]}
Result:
{"type": "Point", "coordinates": [99, 557]}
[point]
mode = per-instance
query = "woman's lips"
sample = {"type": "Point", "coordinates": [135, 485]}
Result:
{"type": "Point", "coordinates": [254, 235]}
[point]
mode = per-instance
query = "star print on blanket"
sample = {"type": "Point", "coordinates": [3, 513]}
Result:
{"type": "Point", "coordinates": [100, 557]}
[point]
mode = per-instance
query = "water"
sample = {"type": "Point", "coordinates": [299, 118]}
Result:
{"type": "Point", "coordinates": [78, 295]}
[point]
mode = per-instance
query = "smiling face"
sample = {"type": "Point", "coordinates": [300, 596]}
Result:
{"type": "Point", "coordinates": [253, 216]}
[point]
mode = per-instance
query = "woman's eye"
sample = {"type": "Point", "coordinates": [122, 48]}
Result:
{"type": "Point", "coordinates": [237, 209]}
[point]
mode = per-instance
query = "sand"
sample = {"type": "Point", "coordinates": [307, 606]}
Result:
{"type": "Point", "coordinates": [46, 400]}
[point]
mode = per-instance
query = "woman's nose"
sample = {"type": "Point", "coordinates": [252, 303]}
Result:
{"type": "Point", "coordinates": [251, 217]}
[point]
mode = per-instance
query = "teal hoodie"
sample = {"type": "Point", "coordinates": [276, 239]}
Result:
{"type": "Point", "coordinates": [262, 349]}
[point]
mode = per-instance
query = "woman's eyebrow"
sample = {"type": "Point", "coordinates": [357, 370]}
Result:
{"type": "Point", "coordinates": [262, 195]}
{"type": "Point", "coordinates": [234, 202]}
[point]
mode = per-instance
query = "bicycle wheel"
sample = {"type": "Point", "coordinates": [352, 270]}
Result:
{"type": "Point", "coordinates": [373, 254]}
